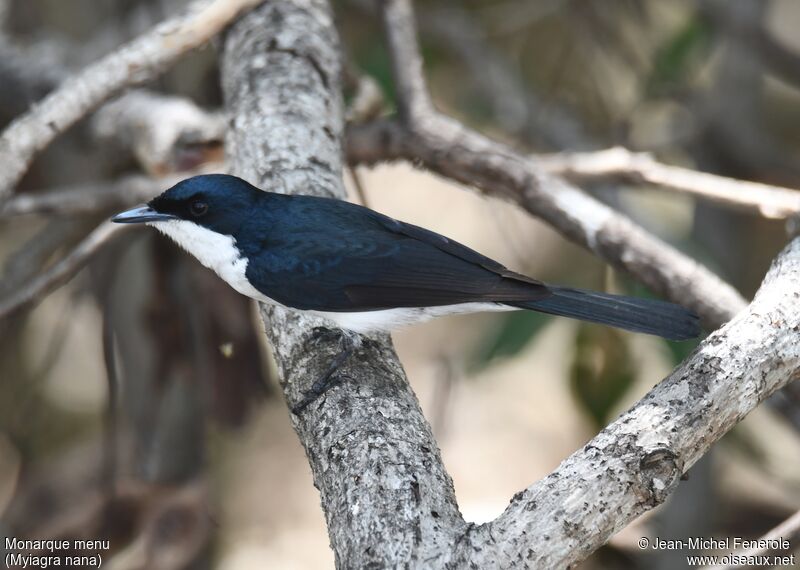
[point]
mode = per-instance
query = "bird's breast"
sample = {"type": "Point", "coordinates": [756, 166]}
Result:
{"type": "Point", "coordinates": [216, 251]}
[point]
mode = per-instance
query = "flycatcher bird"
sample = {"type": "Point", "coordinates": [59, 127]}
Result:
{"type": "Point", "coordinates": [363, 271]}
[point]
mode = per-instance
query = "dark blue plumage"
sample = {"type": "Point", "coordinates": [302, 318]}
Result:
{"type": "Point", "coordinates": [330, 257]}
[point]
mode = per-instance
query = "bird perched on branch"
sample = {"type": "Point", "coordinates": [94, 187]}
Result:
{"type": "Point", "coordinates": [363, 271]}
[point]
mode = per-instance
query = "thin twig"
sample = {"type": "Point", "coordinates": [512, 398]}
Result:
{"type": "Point", "coordinates": [93, 197]}
{"type": "Point", "coordinates": [358, 185]}
{"type": "Point", "coordinates": [768, 201]}
{"type": "Point", "coordinates": [414, 102]}
{"type": "Point", "coordinates": [27, 261]}
{"type": "Point", "coordinates": [86, 198]}
{"type": "Point", "coordinates": [111, 419]}
{"type": "Point", "coordinates": [134, 63]}
{"type": "Point", "coordinates": [61, 271]}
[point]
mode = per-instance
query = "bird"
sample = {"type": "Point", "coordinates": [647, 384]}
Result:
{"type": "Point", "coordinates": [364, 272]}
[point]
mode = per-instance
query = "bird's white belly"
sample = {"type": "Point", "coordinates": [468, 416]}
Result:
{"type": "Point", "coordinates": [389, 319]}
{"type": "Point", "coordinates": [219, 253]}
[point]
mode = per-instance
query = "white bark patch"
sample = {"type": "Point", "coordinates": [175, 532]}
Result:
{"type": "Point", "coordinates": [593, 216]}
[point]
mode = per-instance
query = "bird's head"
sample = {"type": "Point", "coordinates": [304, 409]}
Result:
{"type": "Point", "coordinates": [217, 202]}
{"type": "Point", "coordinates": [205, 215]}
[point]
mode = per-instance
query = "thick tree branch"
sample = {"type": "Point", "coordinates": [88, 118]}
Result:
{"type": "Point", "coordinates": [135, 62]}
{"type": "Point", "coordinates": [636, 462]}
{"type": "Point", "coordinates": [386, 496]}
{"type": "Point", "coordinates": [620, 163]}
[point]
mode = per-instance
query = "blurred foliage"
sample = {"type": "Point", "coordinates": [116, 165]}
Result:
{"type": "Point", "coordinates": [516, 330]}
{"type": "Point", "coordinates": [601, 372]}
{"type": "Point", "coordinates": [676, 59]}
{"type": "Point", "coordinates": [680, 350]}
{"type": "Point", "coordinates": [375, 63]}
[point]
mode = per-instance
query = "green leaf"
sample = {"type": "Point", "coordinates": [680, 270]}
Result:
{"type": "Point", "coordinates": [675, 59]}
{"type": "Point", "coordinates": [376, 62]}
{"type": "Point", "coordinates": [515, 332]}
{"type": "Point", "coordinates": [602, 371]}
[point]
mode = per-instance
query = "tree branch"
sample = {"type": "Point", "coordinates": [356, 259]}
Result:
{"type": "Point", "coordinates": [386, 496]}
{"type": "Point", "coordinates": [636, 462]}
{"type": "Point", "coordinates": [768, 201]}
{"type": "Point", "coordinates": [88, 198]}
{"type": "Point", "coordinates": [450, 149]}
{"type": "Point", "coordinates": [61, 271]}
{"type": "Point", "coordinates": [413, 100]}
{"type": "Point", "coordinates": [165, 133]}
{"type": "Point", "coordinates": [135, 62]}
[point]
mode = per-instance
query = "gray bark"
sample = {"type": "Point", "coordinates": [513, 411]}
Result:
{"type": "Point", "coordinates": [386, 496]}
{"type": "Point", "coordinates": [636, 462]}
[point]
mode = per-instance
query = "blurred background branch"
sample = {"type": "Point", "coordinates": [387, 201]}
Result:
{"type": "Point", "coordinates": [132, 64]}
{"type": "Point", "coordinates": [637, 168]}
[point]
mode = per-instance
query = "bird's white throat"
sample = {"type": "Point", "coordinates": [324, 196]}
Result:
{"type": "Point", "coordinates": [216, 251]}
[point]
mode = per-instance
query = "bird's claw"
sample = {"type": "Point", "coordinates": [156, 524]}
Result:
{"type": "Point", "coordinates": [322, 385]}
{"type": "Point", "coordinates": [322, 334]}
{"type": "Point", "coordinates": [329, 379]}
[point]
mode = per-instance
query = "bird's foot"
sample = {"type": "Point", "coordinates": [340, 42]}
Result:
{"type": "Point", "coordinates": [323, 334]}
{"type": "Point", "coordinates": [349, 342]}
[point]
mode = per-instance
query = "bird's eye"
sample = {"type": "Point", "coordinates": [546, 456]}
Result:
{"type": "Point", "coordinates": [198, 208]}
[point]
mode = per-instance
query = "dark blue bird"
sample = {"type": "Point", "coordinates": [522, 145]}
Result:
{"type": "Point", "coordinates": [363, 271]}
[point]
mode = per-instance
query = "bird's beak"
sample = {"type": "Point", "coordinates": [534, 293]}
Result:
{"type": "Point", "coordinates": [140, 215]}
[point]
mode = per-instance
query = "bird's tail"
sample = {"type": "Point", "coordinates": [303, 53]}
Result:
{"type": "Point", "coordinates": [639, 315]}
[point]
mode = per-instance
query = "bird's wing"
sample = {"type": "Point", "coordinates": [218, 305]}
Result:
{"type": "Point", "coordinates": [451, 247]}
{"type": "Point", "coordinates": [368, 261]}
